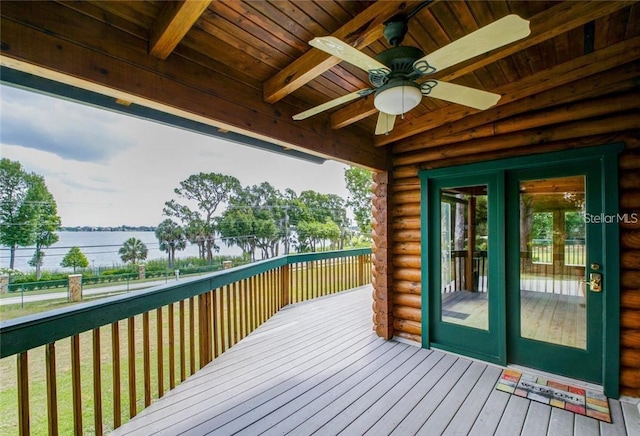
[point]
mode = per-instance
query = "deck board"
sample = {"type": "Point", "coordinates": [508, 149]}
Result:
{"type": "Point", "coordinates": [317, 367]}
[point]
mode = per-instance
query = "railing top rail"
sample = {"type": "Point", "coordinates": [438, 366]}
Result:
{"type": "Point", "coordinates": [25, 333]}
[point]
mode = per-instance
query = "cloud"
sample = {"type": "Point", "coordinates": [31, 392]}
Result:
{"type": "Point", "coordinates": [66, 129]}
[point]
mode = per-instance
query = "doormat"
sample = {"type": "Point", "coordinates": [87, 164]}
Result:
{"type": "Point", "coordinates": [556, 394]}
{"type": "Point", "coordinates": [454, 314]}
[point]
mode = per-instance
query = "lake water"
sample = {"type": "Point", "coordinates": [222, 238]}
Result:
{"type": "Point", "coordinates": [101, 249]}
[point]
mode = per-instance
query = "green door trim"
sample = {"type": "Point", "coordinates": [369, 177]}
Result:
{"type": "Point", "coordinates": [607, 157]}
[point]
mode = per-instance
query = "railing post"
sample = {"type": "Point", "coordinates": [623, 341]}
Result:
{"type": "Point", "coordinates": [284, 280]}
{"type": "Point", "coordinates": [23, 394]}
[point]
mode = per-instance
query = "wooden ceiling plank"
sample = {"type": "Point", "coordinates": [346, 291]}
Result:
{"type": "Point", "coordinates": [544, 25]}
{"type": "Point", "coordinates": [173, 23]}
{"type": "Point", "coordinates": [221, 29]}
{"type": "Point", "coordinates": [361, 31]}
{"type": "Point", "coordinates": [142, 14]}
{"type": "Point", "coordinates": [578, 68]}
{"type": "Point", "coordinates": [268, 23]}
{"type": "Point", "coordinates": [617, 80]}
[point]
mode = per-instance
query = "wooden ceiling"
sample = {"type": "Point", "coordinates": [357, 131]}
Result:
{"type": "Point", "coordinates": [246, 66]}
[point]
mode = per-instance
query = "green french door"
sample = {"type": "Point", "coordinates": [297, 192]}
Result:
{"type": "Point", "coordinates": [555, 264]}
{"type": "Point", "coordinates": [519, 267]}
{"type": "Point", "coordinates": [466, 308]}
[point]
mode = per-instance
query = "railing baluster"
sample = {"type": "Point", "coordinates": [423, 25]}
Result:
{"type": "Point", "coordinates": [172, 348]}
{"type": "Point", "coordinates": [97, 383]}
{"type": "Point", "coordinates": [23, 393]}
{"type": "Point", "coordinates": [254, 303]}
{"type": "Point", "coordinates": [131, 347]}
{"type": "Point", "coordinates": [265, 298]}
{"type": "Point", "coordinates": [228, 316]}
{"type": "Point", "coordinates": [316, 279]}
{"type": "Point", "coordinates": [115, 358]}
{"type": "Point", "coordinates": [52, 395]}
{"type": "Point", "coordinates": [76, 384]}
{"type": "Point", "coordinates": [243, 309]}
{"type": "Point", "coordinates": [182, 343]}
{"type": "Point", "coordinates": [146, 359]}
{"type": "Point", "coordinates": [160, 351]}
{"type": "Point", "coordinates": [236, 313]}
{"type": "Point", "coordinates": [214, 321]}
{"type": "Point", "coordinates": [192, 336]}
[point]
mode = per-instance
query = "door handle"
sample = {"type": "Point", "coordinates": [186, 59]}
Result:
{"type": "Point", "coordinates": [595, 282]}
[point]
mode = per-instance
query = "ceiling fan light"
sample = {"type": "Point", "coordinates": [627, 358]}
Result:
{"type": "Point", "coordinates": [397, 100]}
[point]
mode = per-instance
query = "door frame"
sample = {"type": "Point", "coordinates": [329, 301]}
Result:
{"type": "Point", "coordinates": [606, 156]}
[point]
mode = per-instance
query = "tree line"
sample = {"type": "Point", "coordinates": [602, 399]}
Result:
{"type": "Point", "coordinates": [260, 219]}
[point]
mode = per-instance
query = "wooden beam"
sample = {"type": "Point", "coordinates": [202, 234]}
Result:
{"type": "Point", "coordinates": [576, 129]}
{"type": "Point", "coordinates": [614, 81]}
{"type": "Point", "coordinates": [114, 63]}
{"type": "Point", "coordinates": [544, 26]}
{"type": "Point", "coordinates": [361, 31]}
{"type": "Point", "coordinates": [353, 112]}
{"type": "Point", "coordinates": [172, 24]}
{"type": "Point", "coordinates": [578, 68]}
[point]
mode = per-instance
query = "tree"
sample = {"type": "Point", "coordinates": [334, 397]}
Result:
{"type": "Point", "coordinates": [359, 184]}
{"type": "Point", "coordinates": [43, 212]}
{"type": "Point", "coordinates": [74, 259]}
{"type": "Point", "coordinates": [326, 207]}
{"type": "Point", "coordinates": [313, 235]}
{"type": "Point", "coordinates": [133, 250]}
{"type": "Point", "coordinates": [207, 190]}
{"type": "Point", "coordinates": [15, 224]}
{"type": "Point", "coordinates": [256, 219]}
{"type": "Point", "coordinates": [171, 238]}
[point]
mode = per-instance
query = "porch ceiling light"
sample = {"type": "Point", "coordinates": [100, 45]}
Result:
{"type": "Point", "coordinates": [397, 97]}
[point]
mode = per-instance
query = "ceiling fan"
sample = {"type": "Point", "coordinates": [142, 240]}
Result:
{"type": "Point", "coordinates": [395, 72]}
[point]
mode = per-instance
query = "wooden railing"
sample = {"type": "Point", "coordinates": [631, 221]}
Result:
{"type": "Point", "coordinates": [91, 367]}
{"type": "Point", "coordinates": [461, 278]}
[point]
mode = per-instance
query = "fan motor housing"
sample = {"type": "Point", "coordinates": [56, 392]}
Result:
{"type": "Point", "coordinates": [399, 60]}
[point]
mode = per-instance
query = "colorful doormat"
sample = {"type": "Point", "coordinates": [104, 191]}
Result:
{"type": "Point", "coordinates": [556, 394]}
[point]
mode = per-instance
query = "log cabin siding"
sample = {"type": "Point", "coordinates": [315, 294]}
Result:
{"type": "Point", "coordinates": [621, 125]}
{"type": "Point", "coordinates": [630, 267]}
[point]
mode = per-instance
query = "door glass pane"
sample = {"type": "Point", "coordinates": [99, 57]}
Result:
{"type": "Point", "coordinates": [464, 238]}
{"type": "Point", "coordinates": [552, 261]}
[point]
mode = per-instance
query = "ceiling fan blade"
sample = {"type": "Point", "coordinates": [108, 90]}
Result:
{"type": "Point", "coordinates": [331, 104]}
{"type": "Point", "coordinates": [497, 34]}
{"type": "Point", "coordinates": [463, 95]}
{"type": "Point", "coordinates": [344, 51]}
{"type": "Point", "coordinates": [385, 123]}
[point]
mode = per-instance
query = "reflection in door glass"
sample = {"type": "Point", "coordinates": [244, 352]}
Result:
{"type": "Point", "coordinates": [552, 261]}
{"type": "Point", "coordinates": [464, 238]}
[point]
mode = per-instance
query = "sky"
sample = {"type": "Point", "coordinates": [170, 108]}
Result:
{"type": "Point", "coordinates": [107, 169]}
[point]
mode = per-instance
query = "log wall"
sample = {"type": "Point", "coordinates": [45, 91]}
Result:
{"type": "Point", "coordinates": [616, 120]}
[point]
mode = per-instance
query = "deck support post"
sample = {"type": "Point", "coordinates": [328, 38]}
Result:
{"type": "Point", "coordinates": [382, 269]}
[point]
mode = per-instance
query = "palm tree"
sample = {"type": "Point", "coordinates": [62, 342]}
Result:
{"type": "Point", "coordinates": [133, 250]}
{"type": "Point", "coordinates": [171, 237]}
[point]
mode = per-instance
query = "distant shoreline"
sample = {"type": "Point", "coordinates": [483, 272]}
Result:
{"type": "Point", "coordinates": [123, 228]}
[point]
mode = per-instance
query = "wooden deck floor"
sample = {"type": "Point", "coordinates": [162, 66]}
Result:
{"type": "Point", "coordinates": [318, 368]}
